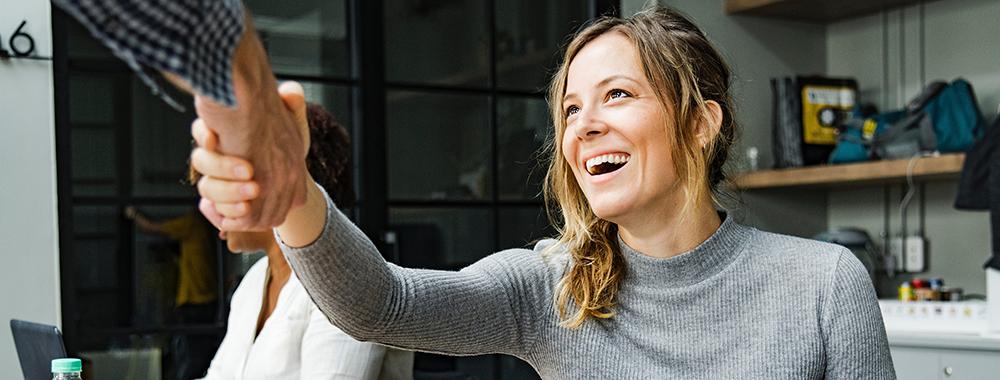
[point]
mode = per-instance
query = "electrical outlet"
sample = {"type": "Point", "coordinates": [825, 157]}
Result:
{"type": "Point", "coordinates": [916, 253]}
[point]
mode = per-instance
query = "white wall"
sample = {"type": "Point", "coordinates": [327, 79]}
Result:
{"type": "Point", "coordinates": [757, 50]}
{"type": "Point", "coordinates": [29, 275]}
{"type": "Point", "coordinates": [960, 39]}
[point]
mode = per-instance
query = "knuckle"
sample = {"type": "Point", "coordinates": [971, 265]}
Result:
{"type": "Point", "coordinates": [197, 157]}
{"type": "Point", "coordinates": [197, 128]}
{"type": "Point", "coordinates": [203, 187]}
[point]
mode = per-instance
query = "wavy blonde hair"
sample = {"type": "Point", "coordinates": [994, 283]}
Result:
{"type": "Point", "coordinates": [685, 71]}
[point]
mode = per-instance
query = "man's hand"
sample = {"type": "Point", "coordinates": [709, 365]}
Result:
{"type": "Point", "coordinates": [228, 192]}
{"type": "Point", "coordinates": [262, 130]}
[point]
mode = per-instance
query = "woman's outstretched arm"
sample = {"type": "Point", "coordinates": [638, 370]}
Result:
{"type": "Point", "coordinates": [488, 307]}
{"type": "Point", "coordinates": [492, 306]}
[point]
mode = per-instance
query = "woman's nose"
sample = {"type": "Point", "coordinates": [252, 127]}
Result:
{"type": "Point", "coordinates": [590, 126]}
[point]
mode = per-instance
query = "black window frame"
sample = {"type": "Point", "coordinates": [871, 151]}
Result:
{"type": "Point", "coordinates": [369, 87]}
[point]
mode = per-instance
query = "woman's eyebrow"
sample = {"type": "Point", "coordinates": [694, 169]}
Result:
{"type": "Point", "coordinates": [603, 83]}
{"type": "Point", "coordinates": [613, 78]}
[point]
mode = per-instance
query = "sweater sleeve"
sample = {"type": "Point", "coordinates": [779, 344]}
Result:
{"type": "Point", "coordinates": [853, 330]}
{"type": "Point", "coordinates": [478, 310]}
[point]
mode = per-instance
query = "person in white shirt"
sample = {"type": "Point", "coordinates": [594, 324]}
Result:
{"type": "Point", "coordinates": [275, 331]}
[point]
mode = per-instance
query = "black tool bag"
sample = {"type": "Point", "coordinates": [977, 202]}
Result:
{"type": "Point", "coordinates": [787, 123]}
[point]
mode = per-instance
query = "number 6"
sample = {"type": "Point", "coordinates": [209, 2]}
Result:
{"type": "Point", "coordinates": [19, 34]}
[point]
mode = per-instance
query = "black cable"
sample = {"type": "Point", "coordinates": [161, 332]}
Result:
{"type": "Point", "coordinates": [886, 234]}
{"type": "Point", "coordinates": [885, 59]}
{"type": "Point", "coordinates": [901, 96]}
{"type": "Point", "coordinates": [923, 54]}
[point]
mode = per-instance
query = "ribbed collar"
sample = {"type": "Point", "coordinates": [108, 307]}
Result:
{"type": "Point", "coordinates": [691, 267]}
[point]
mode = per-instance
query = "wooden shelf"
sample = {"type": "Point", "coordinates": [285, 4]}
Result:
{"type": "Point", "coordinates": [821, 11]}
{"type": "Point", "coordinates": [945, 166]}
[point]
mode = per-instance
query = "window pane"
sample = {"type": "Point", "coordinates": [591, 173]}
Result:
{"type": "Point", "coordinates": [94, 161]}
{"type": "Point", "coordinates": [523, 127]}
{"type": "Point", "coordinates": [173, 267]}
{"type": "Point", "coordinates": [80, 45]}
{"type": "Point", "coordinates": [522, 227]}
{"type": "Point", "coordinates": [98, 309]}
{"type": "Point", "coordinates": [95, 104]}
{"type": "Point", "coordinates": [437, 42]}
{"type": "Point", "coordinates": [161, 143]}
{"type": "Point", "coordinates": [304, 37]}
{"type": "Point", "coordinates": [92, 98]}
{"type": "Point", "coordinates": [96, 263]}
{"type": "Point", "coordinates": [438, 146]}
{"type": "Point", "coordinates": [122, 354]}
{"type": "Point", "coordinates": [96, 220]}
{"type": "Point", "coordinates": [529, 35]}
{"type": "Point", "coordinates": [440, 238]}
{"type": "Point", "coordinates": [336, 100]}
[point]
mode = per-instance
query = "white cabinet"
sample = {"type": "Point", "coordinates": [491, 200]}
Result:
{"type": "Point", "coordinates": [970, 365]}
{"type": "Point", "coordinates": [915, 363]}
{"type": "Point", "coordinates": [928, 363]}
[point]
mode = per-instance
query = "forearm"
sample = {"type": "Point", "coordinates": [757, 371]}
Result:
{"type": "Point", "coordinates": [255, 89]}
{"type": "Point", "coordinates": [148, 226]}
{"type": "Point", "coordinates": [465, 312]}
{"type": "Point", "coordinates": [303, 225]}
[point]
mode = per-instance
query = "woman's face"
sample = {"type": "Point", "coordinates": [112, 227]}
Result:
{"type": "Point", "coordinates": [616, 135]}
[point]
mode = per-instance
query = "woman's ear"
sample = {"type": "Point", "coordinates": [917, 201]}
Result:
{"type": "Point", "coordinates": [709, 128]}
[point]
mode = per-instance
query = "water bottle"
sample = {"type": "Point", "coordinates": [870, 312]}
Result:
{"type": "Point", "coordinates": [66, 369]}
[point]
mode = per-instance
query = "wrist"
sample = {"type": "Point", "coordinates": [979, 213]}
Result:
{"type": "Point", "coordinates": [304, 224]}
{"type": "Point", "coordinates": [251, 67]}
{"type": "Point", "coordinates": [254, 84]}
{"type": "Point", "coordinates": [313, 193]}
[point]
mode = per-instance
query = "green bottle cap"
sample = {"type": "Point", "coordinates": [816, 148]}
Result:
{"type": "Point", "coordinates": [66, 365]}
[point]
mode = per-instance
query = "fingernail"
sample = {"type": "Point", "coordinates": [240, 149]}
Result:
{"type": "Point", "coordinates": [247, 190]}
{"type": "Point", "coordinates": [242, 171]}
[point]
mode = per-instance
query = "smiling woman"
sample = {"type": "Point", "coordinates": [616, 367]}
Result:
{"type": "Point", "coordinates": [646, 126]}
{"type": "Point", "coordinates": [647, 279]}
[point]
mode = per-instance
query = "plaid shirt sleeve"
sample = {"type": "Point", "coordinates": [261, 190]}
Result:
{"type": "Point", "coordinates": [194, 39]}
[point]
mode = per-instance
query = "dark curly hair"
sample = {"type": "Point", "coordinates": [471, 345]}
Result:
{"type": "Point", "coordinates": [329, 159]}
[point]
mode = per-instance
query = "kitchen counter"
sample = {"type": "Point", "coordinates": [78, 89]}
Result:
{"type": "Point", "coordinates": [950, 341]}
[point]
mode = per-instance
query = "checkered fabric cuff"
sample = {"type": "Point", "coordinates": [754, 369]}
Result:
{"type": "Point", "coordinates": [194, 39]}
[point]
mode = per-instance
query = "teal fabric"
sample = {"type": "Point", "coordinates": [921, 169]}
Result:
{"type": "Point", "coordinates": [957, 120]}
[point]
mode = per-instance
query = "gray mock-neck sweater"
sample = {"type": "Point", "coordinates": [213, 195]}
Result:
{"type": "Point", "coordinates": [745, 304]}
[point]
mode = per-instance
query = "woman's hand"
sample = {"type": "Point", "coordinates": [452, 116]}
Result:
{"type": "Point", "coordinates": [227, 186]}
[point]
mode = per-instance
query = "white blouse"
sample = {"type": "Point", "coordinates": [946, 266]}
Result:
{"type": "Point", "coordinates": [296, 342]}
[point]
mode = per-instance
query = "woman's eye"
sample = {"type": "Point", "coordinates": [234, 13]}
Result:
{"type": "Point", "coordinates": [616, 93]}
{"type": "Point", "coordinates": [572, 110]}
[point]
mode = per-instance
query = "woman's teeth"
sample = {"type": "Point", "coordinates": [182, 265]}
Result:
{"type": "Point", "coordinates": [606, 163]}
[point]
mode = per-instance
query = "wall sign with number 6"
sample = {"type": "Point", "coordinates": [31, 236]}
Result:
{"type": "Point", "coordinates": [17, 42]}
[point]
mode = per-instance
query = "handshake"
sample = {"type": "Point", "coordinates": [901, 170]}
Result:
{"type": "Point", "coordinates": [252, 158]}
